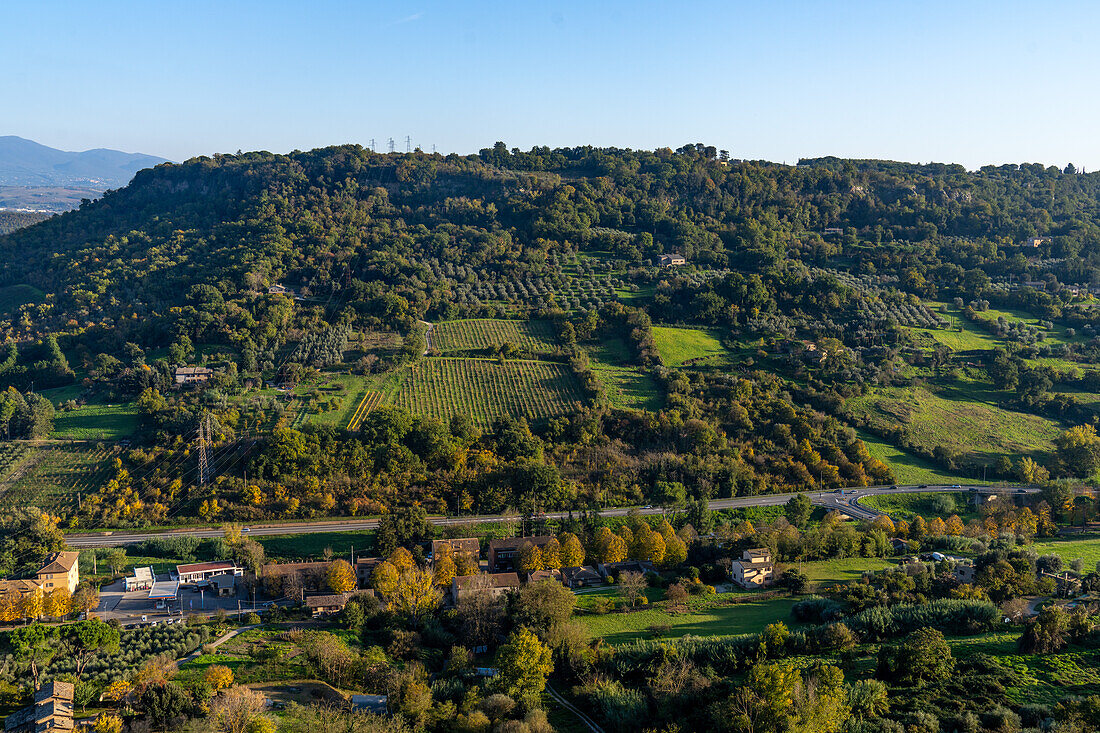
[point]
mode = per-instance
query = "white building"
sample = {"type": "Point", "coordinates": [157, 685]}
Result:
{"type": "Point", "coordinates": [754, 569]}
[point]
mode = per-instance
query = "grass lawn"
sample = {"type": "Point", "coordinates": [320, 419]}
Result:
{"type": "Point", "coordinates": [626, 384]}
{"type": "Point", "coordinates": [908, 468]}
{"type": "Point", "coordinates": [961, 417]}
{"type": "Point", "coordinates": [349, 390]}
{"type": "Point", "coordinates": [1086, 547]}
{"type": "Point", "coordinates": [718, 620]}
{"type": "Point", "coordinates": [97, 422]}
{"type": "Point", "coordinates": [678, 345]}
{"type": "Point", "coordinates": [1044, 678]}
{"type": "Point", "coordinates": [57, 395]}
{"type": "Point", "coordinates": [842, 570]}
{"type": "Point", "coordinates": [909, 505]}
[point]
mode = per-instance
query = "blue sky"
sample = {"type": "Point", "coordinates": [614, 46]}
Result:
{"type": "Point", "coordinates": [968, 82]}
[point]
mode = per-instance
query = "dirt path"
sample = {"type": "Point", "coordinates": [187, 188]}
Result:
{"type": "Point", "coordinates": [587, 721]}
{"type": "Point", "coordinates": [427, 337]}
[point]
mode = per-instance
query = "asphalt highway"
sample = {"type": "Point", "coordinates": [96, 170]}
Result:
{"type": "Point", "coordinates": [847, 503]}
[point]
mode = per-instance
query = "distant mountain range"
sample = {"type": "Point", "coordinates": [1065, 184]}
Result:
{"type": "Point", "coordinates": [27, 163]}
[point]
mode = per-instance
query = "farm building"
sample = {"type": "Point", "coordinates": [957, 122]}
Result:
{"type": "Point", "coordinates": [52, 710]}
{"type": "Point", "coordinates": [495, 583]}
{"type": "Point", "coordinates": [326, 605]}
{"type": "Point", "coordinates": [580, 577]}
{"type": "Point", "coordinates": [142, 579]}
{"type": "Point", "coordinates": [504, 552]}
{"type": "Point", "coordinates": [197, 572]}
{"type": "Point", "coordinates": [673, 260]}
{"type": "Point", "coordinates": [193, 375]}
{"type": "Point", "coordinates": [754, 569]}
{"type": "Point", "coordinates": [61, 570]}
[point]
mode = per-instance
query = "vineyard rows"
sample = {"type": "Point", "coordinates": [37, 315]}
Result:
{"type": "Point", "coordinates": [485, 389]}
{"type": "Point", "coordinates": [11, 456]}
{"type": "Point", "coordinates": [483, 333]}
{"type": "Point", "coordinates": [370, 401]}
{"type": "Point", "coordinates": [59, 476]}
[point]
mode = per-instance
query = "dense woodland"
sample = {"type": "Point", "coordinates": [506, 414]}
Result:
{"type": "Point", "coordinates": [840, 255]}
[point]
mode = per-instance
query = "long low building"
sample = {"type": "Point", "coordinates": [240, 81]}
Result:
{"type": "Point", "coordinates": [197, 572]}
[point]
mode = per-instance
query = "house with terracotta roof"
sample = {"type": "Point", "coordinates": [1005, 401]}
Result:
{"type": "Point", "coordinates": [468, 546]}
{"type": "Point", "coordinates": [328, 604]}
{"type": "Point", "coordinates": [61, 570]}
{"type": "Point", "coordinates": [754, 570]}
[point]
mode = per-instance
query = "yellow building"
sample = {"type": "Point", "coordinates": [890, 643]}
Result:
{"type": "Point", "coordinates": [61, 570]}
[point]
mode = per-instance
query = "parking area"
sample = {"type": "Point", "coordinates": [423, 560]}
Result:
{"type": "Point", "coordinates": [129, 607]}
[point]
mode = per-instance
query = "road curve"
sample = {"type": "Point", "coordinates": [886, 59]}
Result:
{"type": "Point", "coordinates": [847, 503]}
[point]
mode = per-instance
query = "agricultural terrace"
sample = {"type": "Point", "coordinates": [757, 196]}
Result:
{"type": "Point", "coordinates": [486, 389]}
{"type": "Point", "coordinates": [475, 334]}
{"type": "Point", "coordinates": [58, 474]}
{"type": "Point", "coordinates": [678, 346]}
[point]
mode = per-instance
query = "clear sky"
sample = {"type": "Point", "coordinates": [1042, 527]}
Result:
{"type": "Point", "coordinates": [967, 82]}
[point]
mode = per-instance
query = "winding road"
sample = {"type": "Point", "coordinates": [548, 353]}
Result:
{"type": "Point", "coordinates": [847, 502]}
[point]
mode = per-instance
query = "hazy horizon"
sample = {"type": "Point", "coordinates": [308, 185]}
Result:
{"type": "Point", "coordinates": [981, 84]}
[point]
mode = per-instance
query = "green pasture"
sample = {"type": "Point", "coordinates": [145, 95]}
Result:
{"type": "Point", "coordinates": [960, 418]}
{"type": "Point", "coordinates": [13, 296]}
{"type": "Point", "coordinates": [97, 422]}
{"type": "Point", "coordinates": [908, 468]}
{"type": "Point", "coordinates": [678, 345]}
{"type": "Point", "coordinates": [720, 619]}
{"type": "Point", "coordinates": [626, 384]}
{"type": "Point", "coordinates": [907, 506]}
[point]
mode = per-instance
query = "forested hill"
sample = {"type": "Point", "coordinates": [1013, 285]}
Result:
{"type": "Point", "coordinates": [372, 229]}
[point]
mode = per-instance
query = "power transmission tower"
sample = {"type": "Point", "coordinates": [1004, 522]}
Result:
{"type": "Point", "coordinates": [372, 148]}
{"type": "Point", "coordinates": [391, 144]}
{"type": "Point", "coordinates": [205, 431]}
{"type": "Point", "coordinates": [408, 144]}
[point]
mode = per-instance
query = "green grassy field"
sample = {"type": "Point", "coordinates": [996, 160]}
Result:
{"type": "Point", "coordinates": [718, 620]}
{"type": "Point", "coordinates": [13, 296]}
{"type": "Point", "coordinates": [1086, 547]}
{"type": "Point", "coordinates": [959, 419]}
{"type": "Point", "coordinates": [842, 570]}
{"type": "Point", "coordinates": [483, 333]}
{"type": "Point", "coordinates": [908, 468]}
{"type": "Point", "coordinates": [626, 384]}
{"type": "Point", "coordinates": [97, 422]}
{"type": "Point", "coordinates": [678, 345]}
{"type": "Point", "coordinates": [485, 389]}
{"type": "Point", "coordinates": [910, 505]}
{"type": "Point", "coordinates": [313, 545]}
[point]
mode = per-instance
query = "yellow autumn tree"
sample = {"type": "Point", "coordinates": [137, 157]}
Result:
{"type": "Point", "coordinates": [31, 605]}
{"type": "Point", "coordinates": [676, 552]}
{"type": "Point", "coordinates": [883, 522]}
{"type": "Point", "coordinates": [937, 527]}
{"type": "Point", "coordinates": [572, 552]}
{"type": "Point", "coordinates": [218, 677]}
{"type": "Point", "coordinates": [341, 576]}
{"type": "Point", "coordinates": [402, 559]}
{"type": "Point", "coordinates": [954, 525]}
{"type": "Point", "coordinates": [412, 592]}
{"type": "Point", "coordinates": [550, 554]}
{"type": "Point", "coordinates": [117, 691]}
{"type": "Point", "coordinates": [57, 603]}
{"type": "Point", "coordinates": [1027, 523]}
{"type": "Point", "coordinates": [108, 723]}
{"type": "Point", "coordinates": [444, 569]}
{"type": "Point", "coordinates": [530, 558]}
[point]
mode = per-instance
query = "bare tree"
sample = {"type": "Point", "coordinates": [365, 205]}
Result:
{"type": "Point", "coordinates": [632, 586]}
{"type": "Point", "coordinates": [480, 611]}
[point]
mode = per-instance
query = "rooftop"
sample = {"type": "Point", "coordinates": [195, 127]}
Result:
{"type": "Point", "coordinates": [204, 567]}
{"type": "Point", "coordinates": [60, 562]}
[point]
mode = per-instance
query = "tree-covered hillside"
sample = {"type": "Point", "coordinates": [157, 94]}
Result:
{"type": "Point", "coordinates": [897, 300]}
